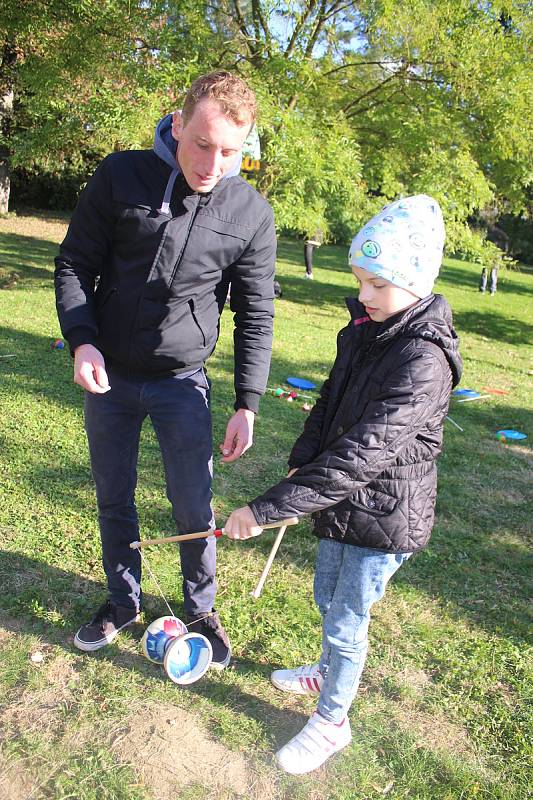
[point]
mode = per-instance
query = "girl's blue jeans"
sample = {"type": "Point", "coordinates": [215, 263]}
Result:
{"type": "Point", "coordinates": [348, 581]}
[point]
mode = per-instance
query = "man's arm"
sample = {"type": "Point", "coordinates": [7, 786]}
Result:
{"type": "Point", "coordinates": [80, 263]}
{"type": "Point", "coordinates": [81, 260]}
{"type": "Point", "coordinates": [252, 301]}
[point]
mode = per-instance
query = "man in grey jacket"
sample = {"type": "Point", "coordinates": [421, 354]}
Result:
{"type": "Point", "coordinates": [141, 279]}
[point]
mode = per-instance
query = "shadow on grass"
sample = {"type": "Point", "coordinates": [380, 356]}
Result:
{"type": "Point", "coordinates": [473, 555]}
{"type": "Point", "coordinates": [30, 257]}
{"type": "Point", "coordinates": [30, 586]}
{"type": "Point", "coordinates": [333, 258]}
{"type": "Point", "coordinates": [493, 326]}
{"type": "Point", "coordinates": [479, 560]}
{"type": "Point", "coordinates": [44, 214]}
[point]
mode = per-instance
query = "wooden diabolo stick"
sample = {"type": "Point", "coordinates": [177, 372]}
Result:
{"type": "Point", "coordinates": [261, 582]}
{"type": "Point", "coordinates": [187, 537]}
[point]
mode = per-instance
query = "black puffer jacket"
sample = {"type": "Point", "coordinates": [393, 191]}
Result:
{"type": "Point", "coordinates": [162, 276]}
{"type": "Point", "coordinates": [366, 458]}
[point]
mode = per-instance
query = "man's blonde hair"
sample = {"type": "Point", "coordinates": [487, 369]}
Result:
{"type": "Point", "coordinates": [234, 96]}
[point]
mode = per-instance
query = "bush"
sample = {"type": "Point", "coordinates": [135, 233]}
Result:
{"type": "Point", "coordinates": [58, 190]}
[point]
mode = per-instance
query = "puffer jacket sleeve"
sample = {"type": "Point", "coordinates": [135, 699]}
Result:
{"type": "Point", "coordinates": [414, 393]}
{"type": "Point", "coordinates": [252, 301]}
{"type": "Point", "coordinates": [81, 259]}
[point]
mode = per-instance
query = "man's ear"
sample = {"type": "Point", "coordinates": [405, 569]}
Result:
{"type": "Point", "coordinates": [177, 125]}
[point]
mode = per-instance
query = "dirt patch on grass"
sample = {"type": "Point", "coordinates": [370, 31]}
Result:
{"type": "Point", "coordinates": [435, 732]}
{"type": "Point", "coordinates": [40, 224]}
{"type": "Point", "coordinates": [38, 710]}
{"type": "Point", "coordinates": [415, 679]}
{"type": "Point", "coordinates": [169, 750]}
{"type": "Point", "coordinates": [9, 626]}
{"type": "Point", "coordinates": [16, 782]}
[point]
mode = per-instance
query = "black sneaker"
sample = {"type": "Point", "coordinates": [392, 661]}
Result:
{"type": "Point", "coordinates": [102, 629]}
{"type": "Point", "coordinates": [209, 625]}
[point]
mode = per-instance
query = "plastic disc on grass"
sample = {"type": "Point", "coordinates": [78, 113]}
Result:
{"type": "Point", "coordinates": [508, 433]}
{"type": "Point", "coordinates": [301, 383]}
{"type": "Point", "coordinates": [158, 636]}
{"type": "Point", "coordinates": [465, 393]}
{"type": "Point", "coordinates": [188, 658]}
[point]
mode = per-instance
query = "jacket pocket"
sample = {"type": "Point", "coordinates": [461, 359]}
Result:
{"type": "Point", "coordinates": [374, 502]}
{"type": "Point", "coordinates": [224, 227]}
{"type": "Point", "coordinates": [221, 244]}
{"type": "Point", "coordinates": [196, 320]}
{"type": "Point", "coordinates": [134, 220]}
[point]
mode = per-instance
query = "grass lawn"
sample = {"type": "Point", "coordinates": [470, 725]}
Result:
{"type": "Point", "coordinates": [442, 711]}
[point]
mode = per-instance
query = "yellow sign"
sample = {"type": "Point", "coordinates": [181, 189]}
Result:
{"type": "Point", "coordinates": [250, 164]}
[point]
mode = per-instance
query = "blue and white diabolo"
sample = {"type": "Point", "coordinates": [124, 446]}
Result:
{"type": "Point", "coordinates": [159, 635]}
{"type": "Point", "coordinates": [187, 658]}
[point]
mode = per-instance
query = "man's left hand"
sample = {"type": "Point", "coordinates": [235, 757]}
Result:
{"type": "Point", "coordinates": [239, 435]}
{"type": "Point", "coordinates": [242, 524]}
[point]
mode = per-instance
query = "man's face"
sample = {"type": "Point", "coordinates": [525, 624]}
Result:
{"type": "Point", "coordinates": [208, 144]}
{"type": "Point", "coordinates": [381, 298]}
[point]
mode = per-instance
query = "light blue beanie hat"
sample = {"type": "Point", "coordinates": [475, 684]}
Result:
{"type": "Point", "coordinates": [403, 244]}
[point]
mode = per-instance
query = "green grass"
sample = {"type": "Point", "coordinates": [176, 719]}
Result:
{"type": "Point", "coordinates": [443, 707]}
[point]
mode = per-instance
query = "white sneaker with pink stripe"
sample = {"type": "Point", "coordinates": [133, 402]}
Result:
{"type": "Point", "coordinates": [302, 680]}
{"type": "Point", "coordinates": [314, 744]}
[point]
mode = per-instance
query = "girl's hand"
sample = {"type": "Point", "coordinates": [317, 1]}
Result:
{"type": "Point", "coordinates": [242, 524]}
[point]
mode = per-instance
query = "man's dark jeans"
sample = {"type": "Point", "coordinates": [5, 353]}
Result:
{"type": "Point", "coordinates": [179, 411]}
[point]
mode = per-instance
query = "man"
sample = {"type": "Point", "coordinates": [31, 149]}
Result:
{"type": "Point", "coordinates": [141, 280]}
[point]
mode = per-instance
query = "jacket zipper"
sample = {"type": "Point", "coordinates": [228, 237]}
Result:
{"type": "Point", "coordinates": [178, 260]}
{"type": "Point", "coordinates": [106, 297]}
{"type": "Point", "coordinates": [199, 204]}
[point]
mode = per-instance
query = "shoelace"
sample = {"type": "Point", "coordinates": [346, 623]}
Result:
{"type": "Point", "coordinates": [104, 612]}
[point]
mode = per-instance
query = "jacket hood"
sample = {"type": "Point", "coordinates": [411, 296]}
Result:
{"type": "Point", "coordinates": [165, 146]}
{"type": "Point", "coordinates": [429, 319]}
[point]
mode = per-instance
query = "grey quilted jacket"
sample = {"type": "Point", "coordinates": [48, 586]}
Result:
{"type": "Point", "coordinates": [366, 457]}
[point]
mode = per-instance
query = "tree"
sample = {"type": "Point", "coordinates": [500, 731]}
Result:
{"type": "Point", "coordinates": [84, 77]}
{"type": "Point", "coordinates": [360, 101]}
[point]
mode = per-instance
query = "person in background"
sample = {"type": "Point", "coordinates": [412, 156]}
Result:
{"type": "Point", "coordinates": [141, 279]}
{"type": "Point", "coordinates": [310, 246]}
{"type": "Point", "coordinates": [364, 465]}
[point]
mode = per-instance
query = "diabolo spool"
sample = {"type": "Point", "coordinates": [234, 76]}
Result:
{"type": "Point", "coordinates": [184, 656]}
{"type": "Point", "coordinates": [158, 636]}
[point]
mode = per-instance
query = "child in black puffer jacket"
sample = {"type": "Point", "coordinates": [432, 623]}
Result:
{"type": "Point", "coordinates": [364, 465]}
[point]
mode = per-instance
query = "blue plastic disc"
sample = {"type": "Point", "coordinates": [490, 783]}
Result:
{"type": "Point", "coordinates": [465, 393]}
{"type": "Point", "coordinates": [301, 383]}
{"type": "Point", "coordinates": [187, 658]}
{"type": "Point", "coordinates": [510, 434]}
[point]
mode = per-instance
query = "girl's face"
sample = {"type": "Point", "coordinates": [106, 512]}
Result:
{"type": "Point", "coordinates": [381, 298]}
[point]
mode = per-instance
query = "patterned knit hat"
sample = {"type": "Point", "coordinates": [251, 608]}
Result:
{"type": "Point", "coordinates": [403, 244]}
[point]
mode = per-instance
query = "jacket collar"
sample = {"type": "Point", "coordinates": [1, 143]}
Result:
{"type": "Point", "coordinates": [391, 326]}
{"type": "Point", "coordinates": [429, 319]}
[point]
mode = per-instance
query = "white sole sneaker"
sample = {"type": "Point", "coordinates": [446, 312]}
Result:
{"type": "Point", "coordinates": [302, 680]}
{"type": "Point", "coordinates": [220, 665]}
{"type": "Point", "coordinates": [315, 743]}
{"type": "Point", "coordinates": [89, 646]}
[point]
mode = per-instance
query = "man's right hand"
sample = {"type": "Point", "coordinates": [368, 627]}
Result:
{"type": "Point", "coordinates": [89, 369]}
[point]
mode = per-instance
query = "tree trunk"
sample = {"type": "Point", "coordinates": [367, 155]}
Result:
{"type": "Point", "coordinates": [6, 111]}
{"type": "Point", "coordinates": [4, 187]}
